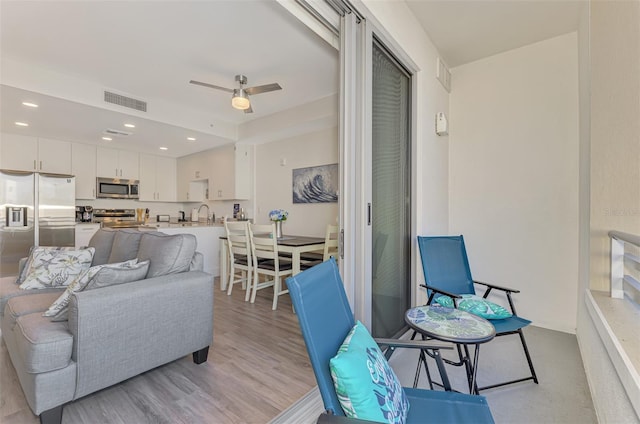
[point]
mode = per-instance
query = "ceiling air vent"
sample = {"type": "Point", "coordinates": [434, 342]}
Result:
{"type": "Point", "coordinates": [120, 100]}
{"type": "Point", "coordinates": [117, 133]}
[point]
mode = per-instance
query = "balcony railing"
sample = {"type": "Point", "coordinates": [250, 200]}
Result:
{"type": "Point", "coordinates": [625, 266]}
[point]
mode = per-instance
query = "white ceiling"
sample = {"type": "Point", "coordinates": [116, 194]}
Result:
{"type": "Point", "coordinates": [150, 51]}
{"type": "Point", "coordinates": [469, 30]}
{"type": "Point", "coordinates": [63, 54]}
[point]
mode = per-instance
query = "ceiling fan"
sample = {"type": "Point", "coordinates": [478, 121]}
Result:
{"type": "Point", "coordinates": [240, 99]}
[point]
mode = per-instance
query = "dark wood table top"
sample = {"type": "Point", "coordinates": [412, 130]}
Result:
{"type": "Point", "coordinates": [295, 241]}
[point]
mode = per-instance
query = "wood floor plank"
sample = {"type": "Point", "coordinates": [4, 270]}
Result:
{"type": "Point", "coordinates": [257, 367]}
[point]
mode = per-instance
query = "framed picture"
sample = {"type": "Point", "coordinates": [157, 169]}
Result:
{"type": "Point", "coordinates": [316, 184]}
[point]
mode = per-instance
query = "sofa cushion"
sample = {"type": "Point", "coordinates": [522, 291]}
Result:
{"type": "Point", "coordinates": [102, 241]}
{"type": "Point", "coordinates": [9, 289]}
{"type": "Point", "coordinates": [23, 305]}
{"type": "Point", "coordinates": [168, 254]}
{"type": "Point", "coordinates": [53, 267]}
{"type": "Point", "coordinates": [96, 277]}
{"type": "Point", "coordinates": [197, 262]}
{"type": "Point", "coordinates": [126, 272]}
{"type": "Point", "coordinates": [125, 245]}
{"type": "Point", "coordinates": [42, 344]}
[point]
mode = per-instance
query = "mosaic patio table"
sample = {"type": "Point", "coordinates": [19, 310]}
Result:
{"type": "Point", "coordinates": [456, 326]}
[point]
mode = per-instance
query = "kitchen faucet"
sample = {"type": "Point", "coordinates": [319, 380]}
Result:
{"type": "Point", "coordinates": [207, 206]}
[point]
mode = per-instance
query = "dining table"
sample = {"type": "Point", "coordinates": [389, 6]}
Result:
{"type": "Point", "coordinates": [292, 244]}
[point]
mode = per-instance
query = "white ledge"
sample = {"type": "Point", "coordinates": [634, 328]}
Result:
{"type": "Point", "coordinates": [617, 322]}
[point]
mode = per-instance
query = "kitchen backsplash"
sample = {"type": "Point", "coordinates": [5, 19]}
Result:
{"type": "Point", "coordinates": [219, 208]}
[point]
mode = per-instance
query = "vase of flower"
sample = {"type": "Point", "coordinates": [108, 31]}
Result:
{"type": "Point", "coordinates": [277, 216]}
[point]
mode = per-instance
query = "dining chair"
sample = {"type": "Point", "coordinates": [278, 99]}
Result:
{"type": "Point", "coordinates": [325, 319]}
{"type": "Point", "coordinates": [265, 259]}
{"type": "Point", "coordinates": [240, 256]}
{"type": "Point", "coordinates": [331, 241]}
{"type": "Point", "coordinates": [446, 272]}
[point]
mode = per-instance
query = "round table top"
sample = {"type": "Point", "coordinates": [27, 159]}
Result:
{"type": "Point", "coordinates": [450, 325]}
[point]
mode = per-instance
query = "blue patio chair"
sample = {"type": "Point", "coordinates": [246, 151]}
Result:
{"type": "Point", "coordinates": [325, 318]}
{"type": "Point", "coordinates": [446, 272]}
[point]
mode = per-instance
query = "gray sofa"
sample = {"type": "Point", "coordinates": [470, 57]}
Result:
{"type": "Point", "coordinates": [112, 333]}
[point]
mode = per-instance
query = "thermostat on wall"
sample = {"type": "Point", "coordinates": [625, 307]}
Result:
{"type": "Point", "coordinates": [442, 127]}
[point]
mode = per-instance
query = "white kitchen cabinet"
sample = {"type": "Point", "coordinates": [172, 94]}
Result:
{"type": "Point", "coordinates": [84, 232]}
{"type": "Point", "coordinates": [192, 177]}
{"type": "Point", "coordinates": [83, 166]}
{"type": "Point", "coordinates": [19, 152]}
{"type": "Point", "coordinates": [54, 156]}
{"type": "Point", "coordinates": [157, 178]}
{"type": "Point", "coordinates": [114, 163]}
{"type": "Point", "coordinates": [231, 173]}
{"type": "Point", "coordinates": [26, 153]}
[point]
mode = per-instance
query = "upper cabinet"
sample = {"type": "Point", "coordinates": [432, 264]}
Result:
{"type": "Point", "coordinates": [224, 173]}
{"type": "Point", "coordinates": [157, 178]}
{"type": "Point", "coordinates": [231, 173]}
{"type": "Point", "coordinates": [26, 153]}
{"type": "Point", "coordinates": [83, 166]}
{"type": "Point", "coordinates": [193, 174]}
{"type": "Point", "coordinates": [114, 163]}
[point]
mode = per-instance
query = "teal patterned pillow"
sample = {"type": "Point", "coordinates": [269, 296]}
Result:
{"type": "Point", "coordinates": [366, 386]}
{"type": "Point", "coordinates": [476, 305]}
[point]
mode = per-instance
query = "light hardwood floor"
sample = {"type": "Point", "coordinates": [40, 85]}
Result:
{"type": "Point", "coordinates": [257, 367]}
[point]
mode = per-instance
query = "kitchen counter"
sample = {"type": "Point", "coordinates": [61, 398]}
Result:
{"type": "Point", "coordinates": [187, 224]}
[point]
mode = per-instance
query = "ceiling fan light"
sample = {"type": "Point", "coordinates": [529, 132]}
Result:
{"type": "Point", "coordinates": [240, 100]}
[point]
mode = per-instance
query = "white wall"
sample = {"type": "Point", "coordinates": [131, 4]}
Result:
{"type": "Point", "coordinates": [513, 174]}
{"type": "Point", "coordinates": [274, 181]}
{"type": "Point", "coordinates": [615, 129]}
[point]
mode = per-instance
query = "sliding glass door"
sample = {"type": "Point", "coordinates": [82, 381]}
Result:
{"type": "Point", "coordinates": [390, 192]}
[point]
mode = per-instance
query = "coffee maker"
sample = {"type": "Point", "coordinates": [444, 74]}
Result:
{"type": "Point", "coordinates": [84, 213]}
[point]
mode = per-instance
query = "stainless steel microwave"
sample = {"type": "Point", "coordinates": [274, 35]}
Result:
{"type": "Point", "coordinates": [117, 188]}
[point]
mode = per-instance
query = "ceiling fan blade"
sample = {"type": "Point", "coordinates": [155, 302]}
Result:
{"type": "Point", "coordinates": [263, 88]}
{"type": "Point", "coordinates": [217, 87]}
{"type": "Point", "coordinates": [249, 109]}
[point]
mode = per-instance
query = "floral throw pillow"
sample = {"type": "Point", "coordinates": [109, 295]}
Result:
{"type": "Point", "coordinates": [476, 305]}
{"type": "Point", "coordinates": [25, 269]}
{"type": "Point", "coordinates": [366, 386]}
{"type": "Point", "coordinates": [55, 268]}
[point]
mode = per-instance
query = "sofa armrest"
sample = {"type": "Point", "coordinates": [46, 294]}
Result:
{"type": "Point", "coordinates": [124, 330]}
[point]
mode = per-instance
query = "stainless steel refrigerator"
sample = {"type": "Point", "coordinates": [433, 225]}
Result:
{"type": "Point", "coordinates": [38, 210]}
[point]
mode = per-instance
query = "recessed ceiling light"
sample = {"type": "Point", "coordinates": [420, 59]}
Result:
{"type": "Point", "coordinates": [191, 138]}
{"type": "Point", "coordinates": [164, 148]}
{"type": "Point", "coordinates": [129, 125]}
{"type": "Point", "coordinates": [21, 124]}
{"type": "Point", "coordinates": [29, 104]}
{"type": "Point", "coordinates": [107, 138]}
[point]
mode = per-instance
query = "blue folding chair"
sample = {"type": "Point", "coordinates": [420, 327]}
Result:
{"type": "Point", "coordinates": [325, 318]}
{"type": "Point", "coordinates": [446, 272]}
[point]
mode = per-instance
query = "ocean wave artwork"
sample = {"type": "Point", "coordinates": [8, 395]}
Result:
{"type": "Point", "coordinates": [316, 184]}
